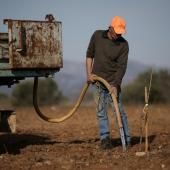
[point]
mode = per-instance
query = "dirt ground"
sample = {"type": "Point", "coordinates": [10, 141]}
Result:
{"type": "Point", "coordinates": [75, 145]}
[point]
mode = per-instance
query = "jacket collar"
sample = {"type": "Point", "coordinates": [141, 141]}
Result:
{"type": "Point", "coordinates": [105, 34]}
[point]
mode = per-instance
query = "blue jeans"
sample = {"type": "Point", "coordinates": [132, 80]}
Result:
{"type": "Point", "coordinates": [102, 99]}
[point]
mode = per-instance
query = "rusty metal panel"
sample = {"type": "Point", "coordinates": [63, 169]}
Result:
{"type": "Point", "coordinates": [3, 45]}
{"type": "Point", "coordinates": [35, 44]}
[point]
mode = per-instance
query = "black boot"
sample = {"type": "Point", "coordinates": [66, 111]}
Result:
{"type": "Point", "coordinates": [106, 143]}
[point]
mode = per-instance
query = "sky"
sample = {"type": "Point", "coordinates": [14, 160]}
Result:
{"type": "Point", "coordinates": [148, 24]}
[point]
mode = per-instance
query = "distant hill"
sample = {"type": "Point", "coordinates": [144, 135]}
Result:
{"type": "Point", "coordinates": [72, 77]}
{"type": "Point", "coordinates": [133, 69]}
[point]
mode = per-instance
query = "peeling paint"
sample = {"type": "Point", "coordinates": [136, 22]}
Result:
{"type": "Point", "coordinates": [35, 44]}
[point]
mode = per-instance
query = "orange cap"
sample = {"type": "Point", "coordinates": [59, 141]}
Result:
{"type": "Point", "coordinates": [119, 25]}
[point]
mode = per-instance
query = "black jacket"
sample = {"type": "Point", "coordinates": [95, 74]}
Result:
{"type": "Point", "coordinates": [110, 57]}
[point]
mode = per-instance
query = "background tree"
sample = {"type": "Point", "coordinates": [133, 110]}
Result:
{"type": "Point", "coordinates": [3, 96]}
{"type": "Point", "coordinates": [134, 92]}
{"type": "Point", "coordinates": [48, 93]}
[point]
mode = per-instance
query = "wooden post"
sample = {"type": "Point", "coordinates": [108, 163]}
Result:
{"type": "Point", "coordinates": [146, 120]}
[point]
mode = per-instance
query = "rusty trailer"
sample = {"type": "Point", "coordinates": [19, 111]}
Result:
{"type": "Point", "coordinates": [29, 49]}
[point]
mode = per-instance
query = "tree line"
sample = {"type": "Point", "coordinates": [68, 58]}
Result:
{"type": "Point", "coordinates": [159, 92]}
{"type": "Point", "coordinates": [49, 92]}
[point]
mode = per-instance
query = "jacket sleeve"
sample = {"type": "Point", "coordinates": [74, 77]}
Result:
{"type": "Point", "coordinates": [121, 65]}
{"type": "Point", "coordinates": [91, 47]}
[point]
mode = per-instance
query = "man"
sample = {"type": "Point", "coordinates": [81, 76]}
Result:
{"type": "Point", "coordinates": [107, 56]}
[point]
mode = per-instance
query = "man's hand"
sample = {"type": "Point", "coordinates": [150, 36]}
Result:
{"type": "Point", "coordinates": [90, 78]}
{"type": "Point", "coordinates": [113, 90]}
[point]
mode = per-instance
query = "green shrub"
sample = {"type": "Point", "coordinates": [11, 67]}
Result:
{"type": "Point", "coordinates": [48, 93]}
{"type": "Point", "coordinates": [160, 89]}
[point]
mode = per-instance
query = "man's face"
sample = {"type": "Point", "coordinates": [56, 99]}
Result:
{"type": "Point", "coordinates": [113, 34]}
